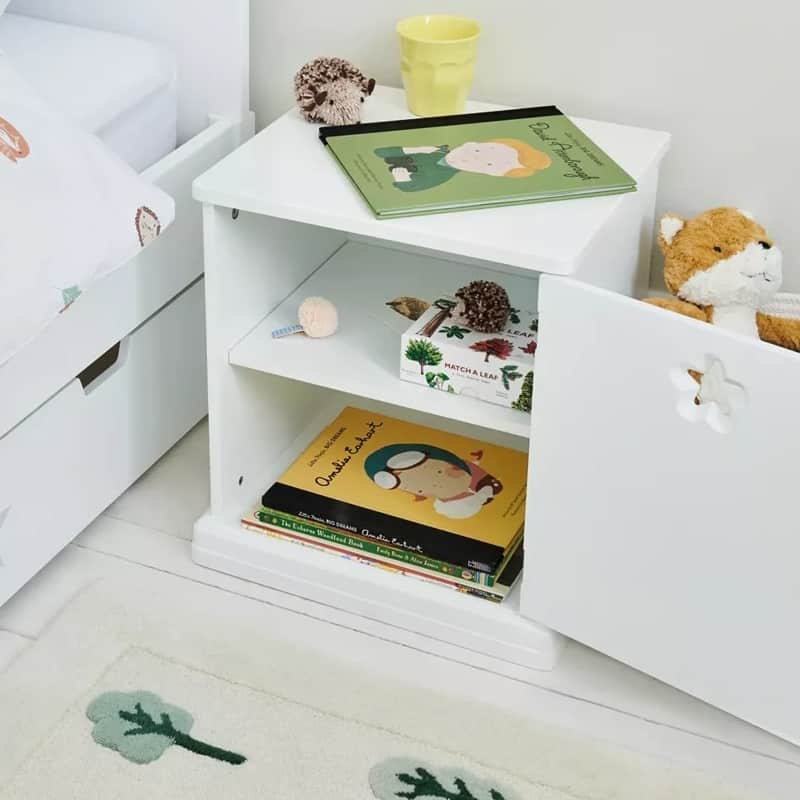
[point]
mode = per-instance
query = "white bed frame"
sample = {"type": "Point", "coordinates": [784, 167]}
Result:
{"type": "Point", "coordinates": [67, 450]}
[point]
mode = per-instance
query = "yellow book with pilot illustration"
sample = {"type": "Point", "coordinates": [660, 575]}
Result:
{"type": "Point", "coordinates": [434, 493]}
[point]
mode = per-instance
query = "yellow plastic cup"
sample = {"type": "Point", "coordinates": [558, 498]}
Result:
{"type": "Point", "coordinates": [437, 62]}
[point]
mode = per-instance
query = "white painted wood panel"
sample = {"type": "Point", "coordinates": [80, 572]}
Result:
{"type": "Point", "coordinates": [653, 536]}
{"type": "Point", "coordinates": [252, 264]}
{"type": "Point", "coordinates": [60, 467]}
{"type": "Point", "coordinates": [286, 172]}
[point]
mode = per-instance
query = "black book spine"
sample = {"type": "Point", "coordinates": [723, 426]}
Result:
{"type": "Point", "coordinates": [437, 122]}
{"type": "Point", "coordinates": [432, 542]}
{"type": "Point", "coordinates": [513, 568]}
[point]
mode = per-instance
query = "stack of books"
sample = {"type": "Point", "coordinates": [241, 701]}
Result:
{"type": "Point", "coordinates": [406, 498]}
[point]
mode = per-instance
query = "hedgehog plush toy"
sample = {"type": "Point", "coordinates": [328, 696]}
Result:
{"type": "Point", "coordinates": [331, 91]}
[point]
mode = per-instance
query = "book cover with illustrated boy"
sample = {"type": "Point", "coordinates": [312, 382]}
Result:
{"type": "Point", "coordinates": [408, 486]}
{"type": "Point", "coordinates": [504, 157]}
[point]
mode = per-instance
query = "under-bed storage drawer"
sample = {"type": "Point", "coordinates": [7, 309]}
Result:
{"type": "Point", "coordinates": [663, 532]}
{"type": "Point", "coordinates": [106, 435]}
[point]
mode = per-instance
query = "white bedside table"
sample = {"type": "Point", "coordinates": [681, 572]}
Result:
{"type": "Point", "coordinates": [282, 222]}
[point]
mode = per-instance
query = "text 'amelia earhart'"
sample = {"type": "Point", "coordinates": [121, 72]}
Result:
{"type": "Point", "coordinates": [350, 450]}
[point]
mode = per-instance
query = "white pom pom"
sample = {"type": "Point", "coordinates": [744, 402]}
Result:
{"type": "Point", "coordinates": [318, 317]}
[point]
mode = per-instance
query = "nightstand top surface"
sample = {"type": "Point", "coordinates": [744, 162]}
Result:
{"type": "Point", "coordinates": [286, 172]}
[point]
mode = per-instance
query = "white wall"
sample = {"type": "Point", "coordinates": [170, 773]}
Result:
{"type": "Point", "coordinates": [723, 81]}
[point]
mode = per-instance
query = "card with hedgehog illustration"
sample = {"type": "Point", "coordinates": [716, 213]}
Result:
{"type": "Point", "coordinates": [441, 350]}
{"type": "Point", "coordinates": [434, 493]}
{"type": "Point", "coordinates": [505, 157]}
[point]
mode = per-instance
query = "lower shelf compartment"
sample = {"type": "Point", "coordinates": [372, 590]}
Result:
{"type": "Point", "coordinates": [437, 613]}
{"type": "Point", "coordinates": [495, 630]}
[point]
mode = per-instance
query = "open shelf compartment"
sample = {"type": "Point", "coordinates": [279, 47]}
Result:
{"type": "Point", "coordinates": [493, 629]}
{"type": "Point", "coordinates": [363, 358]}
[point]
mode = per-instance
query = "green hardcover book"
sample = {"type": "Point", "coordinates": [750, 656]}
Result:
{"type": "Point", "coordinates": [375, 549]}
{"type": "Point", "coordinates": [505, 579]}
{"type": "Point", "coordinates": [496, 158]}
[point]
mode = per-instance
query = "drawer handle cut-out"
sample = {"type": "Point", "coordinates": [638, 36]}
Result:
{"type": "Point", "coordinates": [99, 366]}
{"type": "Point", "coordinates": [708, 395]}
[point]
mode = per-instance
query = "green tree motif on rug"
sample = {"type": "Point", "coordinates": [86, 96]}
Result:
{"type": "Point", "coordinates": [410, 779]}
{"type": "Point", "coordinates": [423, 784]}
{"type": "Point", "coordinates": [141, 727]}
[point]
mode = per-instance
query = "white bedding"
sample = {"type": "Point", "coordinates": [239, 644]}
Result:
{"type": "Point", "coordinates": [71, 212]}
{"type": "Point", "coordinates": [120, 88]}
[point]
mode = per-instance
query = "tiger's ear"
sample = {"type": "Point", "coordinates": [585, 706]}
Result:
{"type": "Point", "coordinates": [669, 227]}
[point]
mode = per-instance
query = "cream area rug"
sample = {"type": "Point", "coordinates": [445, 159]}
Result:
{"type": "Point", "coordinates": [141, 691]}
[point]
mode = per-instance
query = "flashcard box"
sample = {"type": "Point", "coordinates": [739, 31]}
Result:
{"type": "Point", "coordinates": [441, 351]}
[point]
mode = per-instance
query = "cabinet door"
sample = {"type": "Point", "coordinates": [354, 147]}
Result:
{"type": "Point", "coordinates": [662, 532]}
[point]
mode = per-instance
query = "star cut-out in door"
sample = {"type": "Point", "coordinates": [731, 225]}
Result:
{"type": "Point", "coordinates": [711, 398]}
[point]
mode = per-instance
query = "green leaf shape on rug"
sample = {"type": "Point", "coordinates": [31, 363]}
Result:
{"type": "Point", "coordinates": [141, 727]}
{"type": "Point", "coordinates": [412, 779]}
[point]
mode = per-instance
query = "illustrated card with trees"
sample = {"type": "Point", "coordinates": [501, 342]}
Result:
{"type": "Point", "coordinates": [440, 351]}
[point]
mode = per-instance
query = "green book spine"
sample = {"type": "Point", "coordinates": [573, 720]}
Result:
{"type": "Point", "coordinates": [318, 544]}
{"type": "Point", "coordinates": [297, 525]}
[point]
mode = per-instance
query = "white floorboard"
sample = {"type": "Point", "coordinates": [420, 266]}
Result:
{"type": "Point", "coordinates": [148, 529]}
{"type": "Point", "coordinates": [174, 492]}
{"type": "Point", "coordinates": [10, 646]}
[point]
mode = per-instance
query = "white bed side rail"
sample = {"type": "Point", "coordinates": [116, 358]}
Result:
{"type": "Point", "coordinates": [210, 39]}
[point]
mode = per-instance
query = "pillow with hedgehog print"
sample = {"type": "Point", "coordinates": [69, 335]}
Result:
{"type": "Point", "coordinates": [71, 212]}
